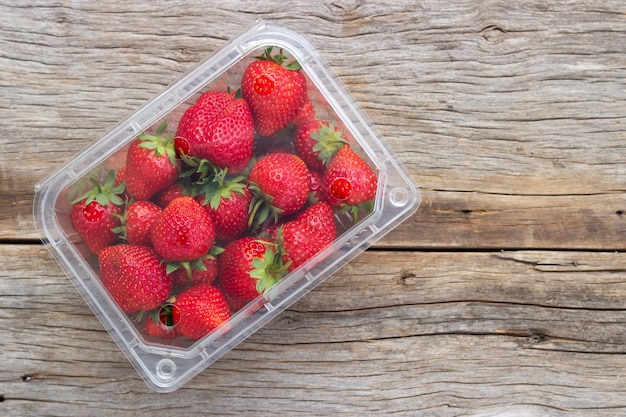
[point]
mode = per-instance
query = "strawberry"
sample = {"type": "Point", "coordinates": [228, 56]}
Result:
{"type": "Point", "coordinates": [249, 267]}
{"type": "Point", "coordinates": [320, 216]}
{"type": "Point", "coordinates": [308, 234]}
{"type": "Point", "coordinates": [349, 181]}
{"type": "Point", "coordinates": [134, 277]}
{"type": "Point", "coordinates": [228, 207]}
{"type": "Point", "coordinates": [306, 113]}
{"type": "Point", "coordinates": [183, 232]}
{"type": "Point", "coordinates": [235, 303]}
{"type": "Point", "coordinates": [137, 222]}
{"type": "Point", "coordinates": [161, 323]}
{"type": "Point", "coordinates": [317, 141]}
{"type": "Point", "coordinates": [275, 93]}
{"type": "Point", "coordinates": [94, 214]}
{"type": "Point", "coordinates": [219, 128]}
{"type": "Point", "coordinates": [151, 164]}
{"type": "Point", "coordinates": [120, 177]}
{"type": "Point", "coordinates": [299, 242]}
{"type": "Point", "coordinates": [316, 191]}
{"type": "Point", "coordinates": [280, 183]}
{"type": "Point", "coordinates": [201, 271]}
{"type": "Point", "coordinates": [165, 197]}
{"type": "Point", "coordinates": [202, 308]}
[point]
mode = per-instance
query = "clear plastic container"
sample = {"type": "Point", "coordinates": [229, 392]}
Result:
{"type": "Point", "coordinates": [167, 364]}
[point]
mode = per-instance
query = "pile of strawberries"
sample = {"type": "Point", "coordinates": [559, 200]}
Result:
{"type": "Point", "coordinates": [198, 223]}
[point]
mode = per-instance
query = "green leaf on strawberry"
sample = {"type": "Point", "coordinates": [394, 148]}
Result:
{"type": "Point", "coordinates": [225, 189]}
{"type": "Point", "coordinates": [268, 269]}
{"type": "Point", "coordinates": [105, 194]}
{"type": "Point", "coordinates": [329, 140]}
{"type": "Point", "coordinates": [279, 58]}
{"type": "Point", "coordinates": [161, 145]}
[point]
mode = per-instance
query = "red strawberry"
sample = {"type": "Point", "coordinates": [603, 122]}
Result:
{"type": "Point", "coordinates": [320, 216]}
{"type": "Point", "coordinates": [137, 222]}
{"type": "Point", "coordinates": [162, 323]}
{"type": "Point", "coordinates": [151, 164]}
{"type": "Point", "coordinates": [316, 191]}
{"type": "Point", "coordinates": [306, 113]}
{"type": "Point", "coordinates": [280, 182]}
{"type": "Point", "coordinates": [134, 277]}
{"type": "Point", "coordinates": [94, 215]}
{"type": "Point", "coordinates": [275, 93]}
{"type": "Point", "coordinates": [120, 177]}
{"type": "Point", "coordinates": [202, 308]}
{"type": "Point", "coordinates": [299, 242]}
{"type": "Point", "coordinates": [348, 180]}
{"type": "Point", "coordinates": [235, 303]}
{"type": "Point", "coordinates": [165, 197]}
{"type": "Point", "coordinates": [183, 232]}
{"type": "Point", "coordinates": [249, 267]}
{"type": "Point", "coordinates": [317, 141]}
{"type": "Point", "coordinates": [229, 207]}
{"type": "Point", "coordinates": [201, 271]}
{"type": "Point", "coordinates": [219, 128]}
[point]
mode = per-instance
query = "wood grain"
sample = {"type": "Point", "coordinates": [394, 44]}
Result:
{"type": "Point", "coordinates": [513, 112]}
{"type": "Point", "coordinates": [393, 333]}
{"type": "Point", "coordinates": [503, 296]}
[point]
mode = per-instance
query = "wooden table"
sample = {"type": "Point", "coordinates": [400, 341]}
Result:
{"type": "Point", "coordinates": [503, 296]}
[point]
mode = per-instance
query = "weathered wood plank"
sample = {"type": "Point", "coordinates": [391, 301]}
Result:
{"type": "Point", "coordinates": [512, 111]}
{"type": "Point", "coordinates": [510, 115]}
{"type": "Point", "coordinates": [393, 333]}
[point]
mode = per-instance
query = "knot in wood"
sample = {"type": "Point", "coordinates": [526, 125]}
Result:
{"type": "Point", "coordinates": [493, 34]}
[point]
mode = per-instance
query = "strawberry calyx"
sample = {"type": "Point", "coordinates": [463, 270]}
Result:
{"type": "Point", "coordinates": [200, 176]}
{"type": "Point", "coordinates": [328, 142]}
{"type": "Point", "coordinates": [120, 230]}
{"type": "Point", "coordinates": [354, 210]}
{"type": "Point", "coordinates": [196, 264]}
{"type": "Point", "coordinates": [161, 145]}
{"type": "Point", "coordinates": [226, 189]}
{"type": "Point", "coordinates": [237, 94]}
{"type": "Point", "coordinates": [261, 208]}
{"type": "Point", "coordinates": [269, 268]}
{"type": "Point", "coordinates": [104, 194]}
{"type": "Point", "coordinates": [279, 59]}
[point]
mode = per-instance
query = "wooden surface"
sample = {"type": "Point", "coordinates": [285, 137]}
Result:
{"type": "Point", "coordinates": [505, 295]}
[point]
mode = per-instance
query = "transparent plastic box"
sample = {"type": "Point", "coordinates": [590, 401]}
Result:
{"type": "Point", "coordinates": [167, 364]}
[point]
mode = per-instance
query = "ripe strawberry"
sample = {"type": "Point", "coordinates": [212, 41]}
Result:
{"type": "Point", "coordinates": [134, 277]}
{"type": "Point", "coordinates": [306, 113]}
{"type": "Point", "coordinates": [201, 271]}
{"type": "Point", "coordinates": [120, 177]}
{"type": "Point", "coordinates": [219, 128]}
{"type": "Point", "coordinates": [280, 182]}
{"type": "Point", "coordinates": [162, 322]}
{"type": "Point", "coordinates": [183, 232]}
{"type": "Point", "coordinates": [151, 164]}
{"type": "Point", "coordinates": [275, 93]}
{"type": "Point", "coordinates": [317, 141]}
{"type": "Point", "coordinates": [320, 216]}
{"type": "Point", "coordinates": [137, 222]}
{"type": "Point", "coordinates": [299, 242]}
{"type": "Point", "coordinates": [316, 191]}
{"type": "Point", "coordinates": [348, 180]}
{"type": "Point", "coordinates": [93, 214]}
{"type": "Point", "coordinates": [229, 207]}
{"type": "Point", "coordinates": [203, 308]}
{"type": "Point", "coordinates": [165, 197]}
{"type": "Point", "coordinates": [249, 267]}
